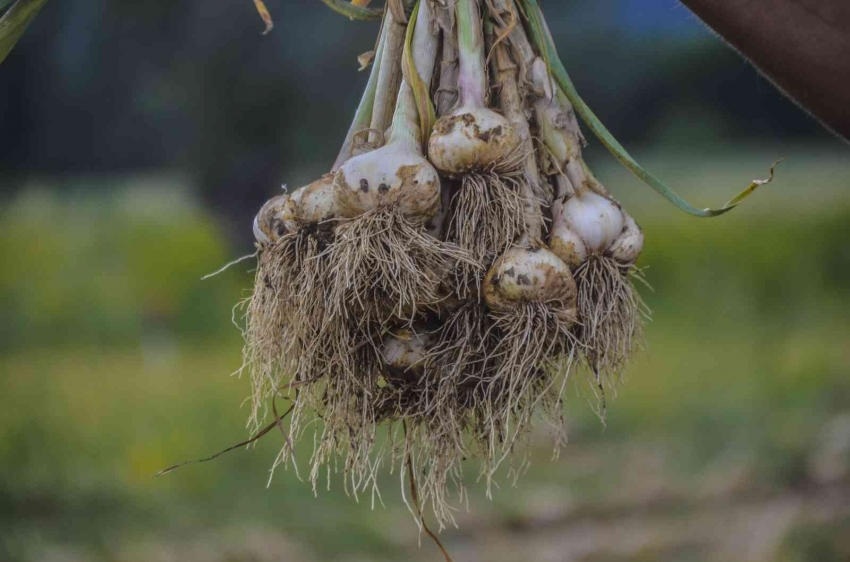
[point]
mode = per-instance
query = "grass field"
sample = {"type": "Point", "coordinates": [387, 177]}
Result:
{"type": "Point", "coordinates": [730, 441]}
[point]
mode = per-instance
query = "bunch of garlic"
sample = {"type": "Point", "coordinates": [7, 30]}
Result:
{"type": "Point", "coordinates": [452, 267]}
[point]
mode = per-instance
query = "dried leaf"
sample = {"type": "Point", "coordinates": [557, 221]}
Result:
{"type": "Point", "coordinates": [738, 199]}
{"type": "Point", "coordinates": [365, 60]}
{"type": "Point", "coordinates": [264, 13]}
{"type": "Point", "coordinates": [397, 9]}
{"type": "Point", "coordinates": [354, 11]}
{"type": "Point", "coordinates": [505, 28]}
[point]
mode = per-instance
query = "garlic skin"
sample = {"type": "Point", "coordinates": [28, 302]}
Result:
{"type": "Point", "coordinates": [316, 203]}
{"type": "Point", "coordinates": [471, 139]}
{"type": "Point", "coordinates": [290, 212]}
{"type": "Point", "coordinates": [627, 248]}
{"type": "Point", "coordinates": [597, 220]}
{"type": "Point", "coordinates": [274, 219]}
{"type": "Point", "coordinates": [405, 350]}
{"type": "Point", "coordinates": [392, 175]}
{"type": "Point", "coordinates": [260, 236]}
{"type": "Point", "coordinates": [533, 275]}
{"type": "Point", "coordinates": [565, 243]}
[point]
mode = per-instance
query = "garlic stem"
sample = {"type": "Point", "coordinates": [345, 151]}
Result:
{"type": "Point", "coordinates": [447, 93]}
{"type": "Point", "coordinates": [562, 137]}
{"type": "Point", "coordinates": [554, 114]}
{"type": "Point", "coordinates": [534, 68]}
{"type": "Point", "coordinates": [363, 115]}
{"type": "Point", "coordinates": [472, 138]}
{"type": "Point", "coordinates": [472, 81]}
{"type": "Point", "coordinates": [511, 105]}
{"type": "Point", "coordinates": [397, 177]}
{"type": "Point", "coordinates": [389, 77]}
{"type": "Point", "coordinates": [405, 123]}
{"type": "Point", "coordinates": [593, 183]}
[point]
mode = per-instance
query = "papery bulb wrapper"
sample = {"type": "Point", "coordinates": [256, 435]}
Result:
{"type": "Point", "coordinates": [627, 248]}
{"type": "Point", "coordinates": [529, 275]}
{"type": "Point", "coordinates": [471, 139]}
{"type": "Point", "coordinates": [392, 175]}
{"type": "Point", "coordinates": [317, 203]}
{"type": "Point", "coordinates": [405, 350]}
{"type": "Point", "coordinates": [597, 220]}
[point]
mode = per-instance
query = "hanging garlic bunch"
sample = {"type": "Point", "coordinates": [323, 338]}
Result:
{"type": "Point", "coordinates": [458, 261]}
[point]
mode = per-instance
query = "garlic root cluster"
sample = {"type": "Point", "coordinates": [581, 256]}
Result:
{"type": "Point", "coordinates": [450, 278]}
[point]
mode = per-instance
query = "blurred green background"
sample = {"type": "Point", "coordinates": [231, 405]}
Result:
{"type": "Point", "coordinates": [137, 140]}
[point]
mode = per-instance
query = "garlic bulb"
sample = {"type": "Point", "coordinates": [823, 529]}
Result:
{"type": "Point", "coordinates": [397, 174]}
{"type": "Point", "coordinates": [586, 219]}
{"type": "Point", "coordinates": [277, 217]}
{"type": "Point", "coordinates": [566, 244]}
{"type": "Point", "coordinates": [530, 275]}
{"type": "Point", "coordinates": [627, 248]}
{"type": "Point", "coordinates": [597, 221]}
{"type": "Point", "coordinates": [290, 212]}
{"type": "Point", "coordinates": [316, 203]}
{"type": "Point", "coordinates": [405, 350]}
{"type": "Point", "coordinates": [472, 137]}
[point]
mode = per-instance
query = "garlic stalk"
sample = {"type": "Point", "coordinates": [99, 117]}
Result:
{"type": "Point", "coordinates": [531, 296]}
{"type": "Point", "coordinates": [389, 77]}
{"type": "Point", "coordinates": [447, 94]}
{"type": "Point", "coordinates": [482, 148]}
{"type": "Point", "coordinates": [363, 116]}
{"type": "Point", "coordinates": [530, 272]}
{"type": "Point", "coordinates": [586, 219]}
{"type": "Point", "coordinates": [511, 103]}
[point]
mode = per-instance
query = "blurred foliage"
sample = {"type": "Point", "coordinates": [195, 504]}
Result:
{"type": "Point", "coordinates": [82, 267]}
